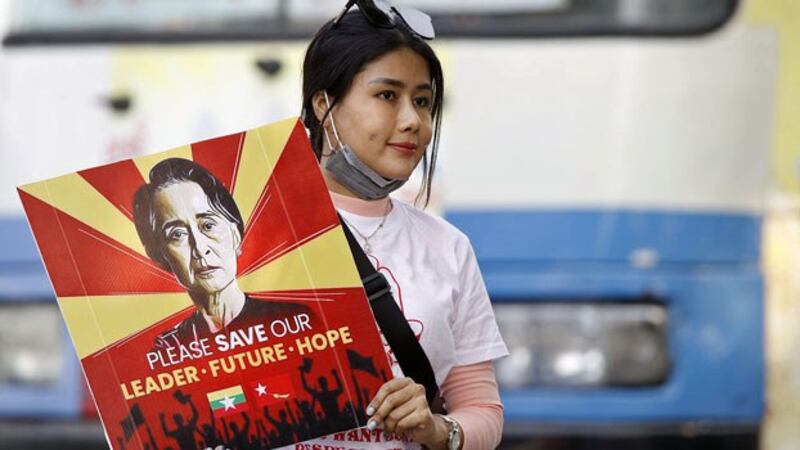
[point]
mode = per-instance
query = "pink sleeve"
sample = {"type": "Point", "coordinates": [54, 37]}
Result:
{"type": "Point", "coordinates": [470, 393]}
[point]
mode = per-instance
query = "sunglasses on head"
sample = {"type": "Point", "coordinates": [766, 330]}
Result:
{"type": "Point", "coordinates": [383, 15]}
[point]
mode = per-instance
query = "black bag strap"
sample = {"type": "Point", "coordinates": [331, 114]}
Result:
{"type": "Point", "coordinates": [393, 324]}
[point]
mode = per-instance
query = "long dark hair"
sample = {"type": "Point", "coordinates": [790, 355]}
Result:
{"type": "Point", "coordinates": [337, 53]}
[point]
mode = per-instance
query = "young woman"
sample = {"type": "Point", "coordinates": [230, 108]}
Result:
{"type": "Point", "coordinates": [372, 102]}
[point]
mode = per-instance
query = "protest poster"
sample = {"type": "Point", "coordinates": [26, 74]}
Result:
{"type": "Point", "coordinates": [210, 294]}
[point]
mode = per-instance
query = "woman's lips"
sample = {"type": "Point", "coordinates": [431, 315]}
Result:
{"type": "Point", "coordinates": [405, 148]}
{"type": "Point", "coordinates": [205, 272]}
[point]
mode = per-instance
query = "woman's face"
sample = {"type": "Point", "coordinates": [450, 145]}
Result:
{"type": "Point", "coordinates": [199, 243]}
{"type": "Point", "coordinates": [385, 116]}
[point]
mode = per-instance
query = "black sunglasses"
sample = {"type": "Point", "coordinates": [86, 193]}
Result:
{"type": "Point", "coordinates": [383, 15]}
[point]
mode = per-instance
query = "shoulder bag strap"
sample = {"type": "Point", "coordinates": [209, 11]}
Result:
{"type": "Point", "coordinates": [393, 324]}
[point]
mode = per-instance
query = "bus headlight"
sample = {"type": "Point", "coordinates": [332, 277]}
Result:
{"type": "Point", "coordinates": [30, 343]}
{"type": "Point", "coordinates": [590, 344]}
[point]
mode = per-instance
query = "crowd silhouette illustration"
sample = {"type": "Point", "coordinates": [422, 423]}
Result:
{"type": "Point", "coordinates": [324, 410]}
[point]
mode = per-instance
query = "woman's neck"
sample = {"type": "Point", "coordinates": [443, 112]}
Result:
{"type": "Point", "coordinates": [359, 207]}
{"type": "Point", "coordinates": [345, 200]}
{"type": "Point", "coordinates": [220, 308]}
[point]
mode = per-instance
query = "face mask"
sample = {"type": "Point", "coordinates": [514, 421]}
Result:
{"type": "Point", "coordinates": [353, 174]}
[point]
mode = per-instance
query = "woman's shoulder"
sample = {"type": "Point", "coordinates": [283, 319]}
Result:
{"type": "Point", "coordinates": [431, 225]}
{"type": "Point", "coordinates": [263, 308]}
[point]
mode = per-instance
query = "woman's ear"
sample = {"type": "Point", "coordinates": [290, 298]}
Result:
{"type": "Point", "coordinates": [237, 239]}
{"type": "Point", "coordinates": [319, 104]}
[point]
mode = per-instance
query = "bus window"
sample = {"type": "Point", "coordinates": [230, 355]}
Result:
{"type": "Point", "coordinates": [119, 21]}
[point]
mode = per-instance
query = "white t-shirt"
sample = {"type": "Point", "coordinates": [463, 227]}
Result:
{"type": "Point", "coordinates": [435, 279]}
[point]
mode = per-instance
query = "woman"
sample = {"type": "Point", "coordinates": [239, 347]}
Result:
{"type": "Point", "coordinates": [372, 102]}
{"type": "Point", "coordinates": [191, 227]}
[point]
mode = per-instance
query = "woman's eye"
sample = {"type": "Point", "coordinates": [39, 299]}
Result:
{"type": "Point", "coordinates": [209, 225]}
{"type": "Point", "coordinates": [422, 102]}
{"type": "Point", "coordinates": [176, 235]}
{"type": "Point", "coordinates": [386, 95]}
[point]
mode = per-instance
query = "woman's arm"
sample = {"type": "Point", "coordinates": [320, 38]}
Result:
{"type": "Point", "coordinates": [470, 394]}
{"type": "Point", "coordinates": [472, 399]}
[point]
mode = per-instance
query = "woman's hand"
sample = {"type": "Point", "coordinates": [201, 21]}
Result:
{"type": "Point", "coordinates": [401, 407]}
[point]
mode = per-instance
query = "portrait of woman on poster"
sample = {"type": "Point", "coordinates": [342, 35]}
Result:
{"type": "Point", "coordinates": [191, 227]}
{"type": "Point", "coordinates": [372, 103]}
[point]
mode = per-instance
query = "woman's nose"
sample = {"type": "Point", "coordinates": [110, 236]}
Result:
{"type": "Point", "coordinates": [408, 117]}
{"type": "Point", "coordinates": [199, 243]}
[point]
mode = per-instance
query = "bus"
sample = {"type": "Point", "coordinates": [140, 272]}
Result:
{"type": "Point", "coordinates": [608, 159]}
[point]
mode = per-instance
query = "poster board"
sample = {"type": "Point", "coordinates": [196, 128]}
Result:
{"type": "Point", "coordinates": [210, 294]}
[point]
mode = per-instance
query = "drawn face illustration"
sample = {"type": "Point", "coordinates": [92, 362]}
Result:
{"type": "Point", "coordinates": [200, 244]}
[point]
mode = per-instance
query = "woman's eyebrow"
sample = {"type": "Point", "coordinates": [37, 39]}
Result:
{"type": "Point", "coordinates": [206, 214]}
{"type": "Point", "coordinates": [399, 84]}
{"type": "Point", "coordinates": [172, 224]}
{"type": "Point", "coordinates": [179, 222]}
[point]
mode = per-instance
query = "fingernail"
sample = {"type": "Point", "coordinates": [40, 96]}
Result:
{"type": "Point", "coordinates": [370, 410]}
{"type": "Point", "coordinates": [371, 425]}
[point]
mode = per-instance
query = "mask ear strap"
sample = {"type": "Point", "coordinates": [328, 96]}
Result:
{"type": "Point", "coordinates": [330, 146]}
{"type": "Point", "coordinates": [333, 124]}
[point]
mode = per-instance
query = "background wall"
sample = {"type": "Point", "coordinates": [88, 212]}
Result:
{"type": "Point", "coordinates": [781, 245]}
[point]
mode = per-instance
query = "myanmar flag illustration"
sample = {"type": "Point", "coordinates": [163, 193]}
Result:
{"type": "Point", "coordinates": [268, 391]}
{"type": "Point", "coordinates": [227, 401]}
